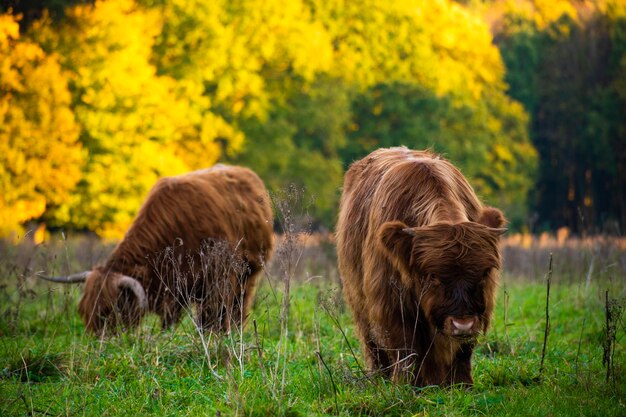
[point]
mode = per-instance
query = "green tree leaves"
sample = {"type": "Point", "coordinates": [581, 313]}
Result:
{"type": "Point", "coordinates": [295, 90]}
{"type": "Point", "coordinates": [563, 64]}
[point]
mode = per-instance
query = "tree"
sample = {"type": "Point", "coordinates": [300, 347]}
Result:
{"type": "Point", "coordinates": [136, 124]}
{"type": "Point", "coordinates": [487, 141]}
{"type": "Point", "coordinates": [260, 66]}
{"type": "Point", "coordinates": [295, 90]}
{"type": "Point", "coordinates": [299, 142]}
{"type": "Point", "coordinates": [40, 155]}
{"type": "Point", "coordinates": [564, 66]}
{"type": "Point", "coordinates": [427, 75]}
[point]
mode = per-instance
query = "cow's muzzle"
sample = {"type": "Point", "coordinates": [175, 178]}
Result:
{"type": "Point", "coordinates": [462, 327]}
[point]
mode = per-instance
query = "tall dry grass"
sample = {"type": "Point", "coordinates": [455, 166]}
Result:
{"type": "Point", "coordinates": [576, 260]}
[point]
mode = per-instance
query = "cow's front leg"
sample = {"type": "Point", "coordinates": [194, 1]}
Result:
{"type": "Point", "coordinates": [461, 369]}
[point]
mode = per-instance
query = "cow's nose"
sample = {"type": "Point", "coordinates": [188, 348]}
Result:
{"type": "Point", "coordinates": [462, 326]}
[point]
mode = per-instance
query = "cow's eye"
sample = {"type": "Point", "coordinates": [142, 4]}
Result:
{"type": "Point", "coordinates": [434, 281]}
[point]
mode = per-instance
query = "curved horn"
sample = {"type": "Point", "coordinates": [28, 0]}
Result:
{"type": "Point", "coordinates": [136, 287]}
{"type": "Point", "coordinates": [70, 279]}
{"type": "Point", "coordinates": [498, 231]}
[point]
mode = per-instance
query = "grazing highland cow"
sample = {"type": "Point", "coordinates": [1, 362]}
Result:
{"type": "Point", "coordinates": [200, 238]}
{"type": "Point", "coordinates": [419, 259]}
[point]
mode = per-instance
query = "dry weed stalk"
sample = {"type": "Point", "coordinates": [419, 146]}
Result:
{"type": "Point", "coordinates": [547, 328]}
{"type": "Point", "coordinates": [506, 324]}
{"type": "Point", "coordinates": [208, 288]}
{"type": "Point", "coordinates": [332, 380]}
{"type": "Point", "coordinates": [335, 320]}
{"type": "Point", "coordinates": [613, 309]}
{"type": "Point", "coordinates": [259, 350]}
{"type": "Point", "coordinates": [295, 225]}
{"type": "Point", "coordinates": [21, 269]}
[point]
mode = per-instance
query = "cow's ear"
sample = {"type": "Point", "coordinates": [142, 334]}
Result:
{"type": "Point", "coordinates": [492, 217]}
{"type": "Point", "coordinates": [396, 240]}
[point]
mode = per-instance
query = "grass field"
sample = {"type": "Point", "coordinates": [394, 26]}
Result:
{"type": "Point", "coordinates": [301, 358]}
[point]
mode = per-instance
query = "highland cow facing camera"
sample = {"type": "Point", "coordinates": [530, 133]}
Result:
{"type": "Point", "coordinates": [419, 260]}
{"type": "Point", "coordinates": [199, 239]}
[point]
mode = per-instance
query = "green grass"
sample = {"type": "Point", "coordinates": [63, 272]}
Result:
{"type": "Point", "coordinates": [48, 366]}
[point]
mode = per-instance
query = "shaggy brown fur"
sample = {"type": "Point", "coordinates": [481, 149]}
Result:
{"type": "Point", "coordinates": [419, 259]}
{"type": "Point", "coordinates": [200, 238]}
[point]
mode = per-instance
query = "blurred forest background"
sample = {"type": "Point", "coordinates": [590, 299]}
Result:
{"type": "Point", "coordinates": [98, 99]}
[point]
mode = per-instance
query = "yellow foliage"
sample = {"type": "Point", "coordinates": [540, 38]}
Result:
{"type": "Point", "coordinates": [549, 11]}
{"type": "Point", "coordinates": [9, 30]}
{"type": "Point", "coordinates": [40, 234]}
{"type": "Point", "coordinates": [437, 44]}
{"type": "Point", "coordinates": [138, 125]}
{"type": "Point", "coordinates": [502, 153]}
{"type": "Point", "coordinates": [542, 12]}
{"type": "Point", "coordinates": [238, 46]}
{"type": "Point", "coordinates": [40, 157]}
{"type": "Point", "coordinates": [166, 89]}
